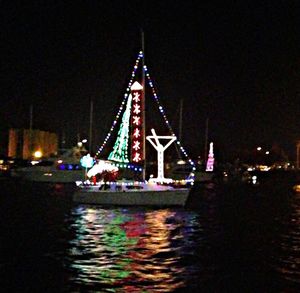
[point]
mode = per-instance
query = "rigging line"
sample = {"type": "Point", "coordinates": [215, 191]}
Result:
{"type": "Point", "coordinates": [164, 115]}
{"type": "Point", "coordinates": [174, 119]}
{"type": "Point", "coordinates": [140, 55]}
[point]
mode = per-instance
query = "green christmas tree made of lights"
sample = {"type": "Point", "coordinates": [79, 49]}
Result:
{"type": "Point", "coordinates": [120, 149]}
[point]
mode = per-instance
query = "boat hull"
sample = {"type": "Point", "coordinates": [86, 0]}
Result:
{"type": "Point", "coordinates": [176, 197]}
{"type": "Point", "coordinates": [50, 175]}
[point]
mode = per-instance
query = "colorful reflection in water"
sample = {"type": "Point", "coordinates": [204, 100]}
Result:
{"type": "Point", "coordinates": [287, 245]}
{"type": "Point", "coordinates": [233, 239]}
{"type": "Point", "coordinates": [130, 250]}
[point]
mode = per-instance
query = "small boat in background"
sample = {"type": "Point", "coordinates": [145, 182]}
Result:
{"type": "Point", "coordinates": [63, 168]}
{"type": "Point", "coordinates": [186, 172]}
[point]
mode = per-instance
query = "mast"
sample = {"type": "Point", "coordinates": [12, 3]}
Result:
{"type": "Point", "coordinates": [180, 119]}
{"type": "Point", "coordinates": [298, 155]}
{"type": "Point", "coordinates": [91, 125]}
{"type": "Point", "coordinates": [30, 129]}
{"type": "Point", "coordinates": [144, 106]}
{"type": "Point", "coordinates": [206, 139]}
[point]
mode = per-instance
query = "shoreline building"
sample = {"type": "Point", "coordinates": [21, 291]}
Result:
{"type": "Point", "coordinates": [24, 143]}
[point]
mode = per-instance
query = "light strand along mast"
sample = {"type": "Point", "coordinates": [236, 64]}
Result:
{"type": "Point", "coordinates": [144, 105]}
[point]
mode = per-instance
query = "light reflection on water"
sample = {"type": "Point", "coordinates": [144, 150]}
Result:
{"type": "Point", "coordinates": [233, 239]}
{"type": "Point", "coordinates": [287, 261]}
{"type": "Point", "coordinates": [130, 250]}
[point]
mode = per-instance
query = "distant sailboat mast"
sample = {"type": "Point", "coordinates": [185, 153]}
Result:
{"type": "Point", "coordinates": [206, 141]}
{"type": "Point", "coordinates": [91, 127]}
{"type": "Point", "coordinates": [179, 128]}
{"type": "Point", "coordinates": [144, 106]}
{"type": "Point", "coordinates": [30, 129]}
{"type": "Point", "coordinates": [180, 120]}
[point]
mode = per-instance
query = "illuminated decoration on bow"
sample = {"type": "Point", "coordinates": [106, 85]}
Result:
{"type": "Point", "coordinates": [120, 150]}
{"type": "Point", "coordinates": [210, 160]}
{"type": "Point", "coordinates": [100, 167]}
{"type": "Point", "coordinates": [137, 154]}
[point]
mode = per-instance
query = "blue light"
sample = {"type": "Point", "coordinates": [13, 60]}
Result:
{"type": "Point", "coordinates": [62, 167]}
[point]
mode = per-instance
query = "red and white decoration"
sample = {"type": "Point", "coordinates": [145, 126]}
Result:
{"type": "Point", "coordinates": [211, 159]}
{"type": "Point", "coordinates": [137, 152]}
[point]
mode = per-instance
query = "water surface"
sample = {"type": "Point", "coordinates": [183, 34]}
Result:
{"type": "Point", "coordinates": [228, 238]}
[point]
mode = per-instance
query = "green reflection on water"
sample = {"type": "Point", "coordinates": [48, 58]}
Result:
{"type": "Point", "coordinates": [128, 250]}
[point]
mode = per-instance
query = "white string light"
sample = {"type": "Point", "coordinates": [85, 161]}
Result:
{"type": "Point", "coordinates": [161, 110]}
{"type": "Point", "coordinates": [160, 107]}
{"type": "Point", "coordinates": [122, 104]}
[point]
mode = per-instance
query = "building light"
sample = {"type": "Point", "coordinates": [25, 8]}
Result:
{"type": "Point", "coordinates": [37, 154]}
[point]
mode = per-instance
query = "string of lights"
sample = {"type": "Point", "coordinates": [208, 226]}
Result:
{"type": "Point", "coordinates": [122, 105]}
{"type": "Point", "coordinates": [161, 109]}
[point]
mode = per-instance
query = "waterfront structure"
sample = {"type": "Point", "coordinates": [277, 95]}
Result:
{"type": "Point", "coordinates": [25, 143]}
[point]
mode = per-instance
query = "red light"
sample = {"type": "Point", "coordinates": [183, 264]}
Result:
{"type": "Point", "coordinates": [136, 133]}
{"type": "Point", "coordinates": [136, 157]}
{"type": "Point", "coordinates": [136, 145]}
{"type": "Point", "coordinates": [136, 120]}
{"type": "Point", "coordinates": [136, 97]}
{"type": "Point", "coordinates": [136, 109]}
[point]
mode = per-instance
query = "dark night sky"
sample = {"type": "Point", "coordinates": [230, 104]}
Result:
{"type": "Point", "coordinates": [237, 64]}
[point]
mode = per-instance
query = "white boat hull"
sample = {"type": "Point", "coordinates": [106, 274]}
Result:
{"type": "Point", "coordinates": [92, 195]}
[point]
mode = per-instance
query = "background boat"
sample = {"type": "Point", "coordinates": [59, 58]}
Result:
{"type": "Point", "coordinates": [63, 168]}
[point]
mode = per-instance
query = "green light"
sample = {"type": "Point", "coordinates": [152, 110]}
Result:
{"type": "Point", "coordinates": [120, 153]}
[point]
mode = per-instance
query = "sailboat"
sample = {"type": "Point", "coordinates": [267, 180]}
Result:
{"type": "Point", "coordinates": [105, 186]}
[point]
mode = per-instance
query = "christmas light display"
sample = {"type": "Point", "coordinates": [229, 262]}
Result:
{"type": "Point", "coordinates": [137, 119]}
{"type": "Point", "coordinates": [120, 149]}
{"type": "Point", "coordinates": [154, 140]}
{"type": "Point", "coordinates": [135, 67]}
{"type": "Point", "coordinates": [161, 110]}
{"type": "Point", "coordinates": [210, 160]}
{"type": "Point", "coordinates": [137, 123]}
{"type": "Point", "coordinates": [100, 167]}
{"type": "Point", "coordinates": [87, 161]}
